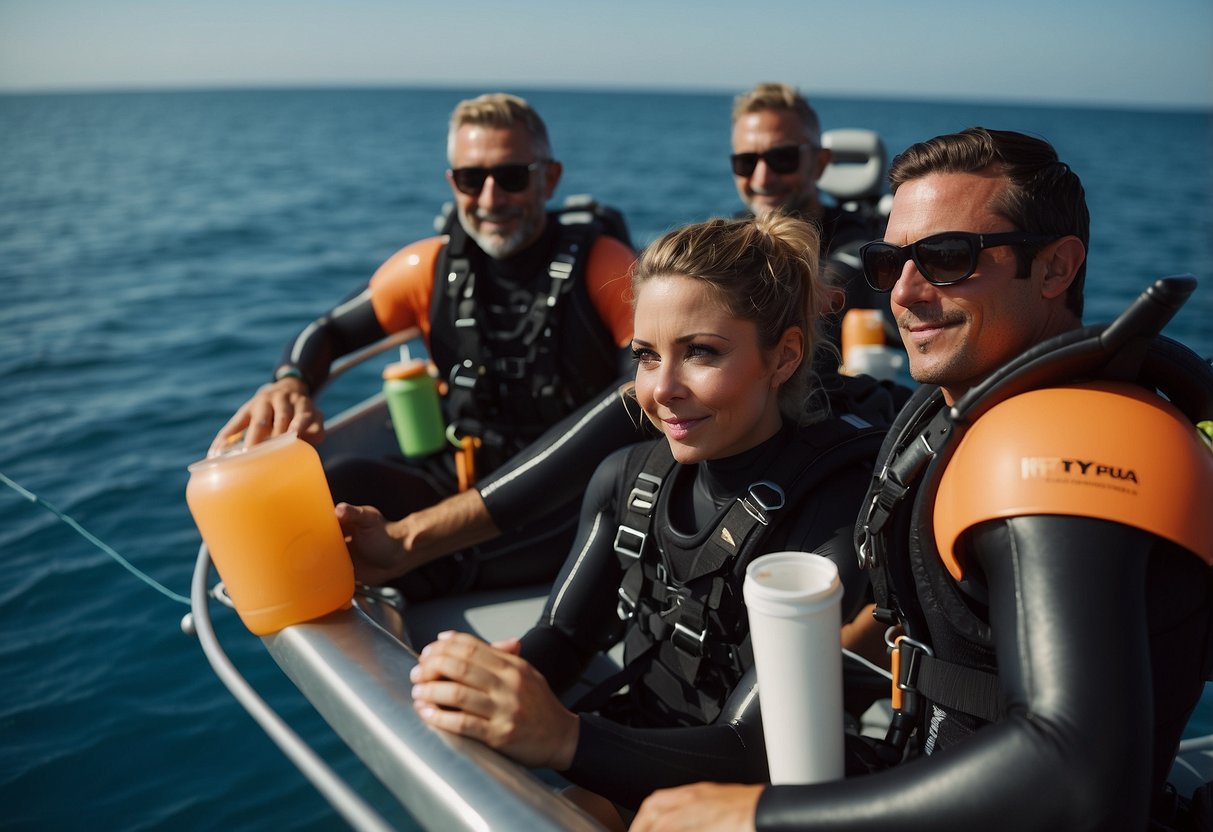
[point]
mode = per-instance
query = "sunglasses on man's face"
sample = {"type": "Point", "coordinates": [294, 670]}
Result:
{"type": "Point", "coordinates": [511, 178]}
{"type": "Point", "coordinates": [942, 259]}
{"type": "Point", "coordinates": [783, 159]}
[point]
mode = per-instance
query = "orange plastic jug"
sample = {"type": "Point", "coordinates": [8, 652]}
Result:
{"type": "Point", "coordinates": [267, 518]}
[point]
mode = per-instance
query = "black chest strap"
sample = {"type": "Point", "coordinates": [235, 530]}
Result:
{"type": "Point", "coordinates": [684, 600]}
{"type": "Point", "coordinates": [480, 371]}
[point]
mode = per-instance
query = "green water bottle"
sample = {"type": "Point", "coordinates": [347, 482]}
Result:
{"type": "Point", "coordinates": [412, 399]}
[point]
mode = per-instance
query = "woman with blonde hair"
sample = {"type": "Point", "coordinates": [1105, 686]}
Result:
{"type": "Point", "coordinates": [726, 324]}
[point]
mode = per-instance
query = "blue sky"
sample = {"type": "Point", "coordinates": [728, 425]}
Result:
{"type": "Point", "coordinates": [1082, 51]}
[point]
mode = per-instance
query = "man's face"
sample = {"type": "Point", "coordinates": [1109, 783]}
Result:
{"type": "Point", "coordinates": [766, 190]}
{"type": "Point", "coordinates": [502, 223]}
{"type": "Point", "coordinates": [957, 335]}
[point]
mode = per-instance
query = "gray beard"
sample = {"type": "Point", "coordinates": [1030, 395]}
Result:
{"type": "Point", "coordinates": [497, 247]}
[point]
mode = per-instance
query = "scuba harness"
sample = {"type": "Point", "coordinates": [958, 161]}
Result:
{"type": "Point", "coordinates": [687, 632]}
{"type": "Point", "coordinates": [921, 443]}
{"type": "Point", "coordinates": [495, 373]}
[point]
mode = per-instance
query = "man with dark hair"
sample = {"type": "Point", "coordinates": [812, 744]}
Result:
{"type": "Point", "coordinates": [1027, 533]}
{"type": "Point", "coordinates": [525, 315]}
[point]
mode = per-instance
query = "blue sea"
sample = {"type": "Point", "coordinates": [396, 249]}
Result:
{"type": "Point", "coordinates": [156, 252]}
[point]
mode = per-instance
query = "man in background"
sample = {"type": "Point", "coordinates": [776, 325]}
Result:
{"type": "Point", "coordinates": [525, 315]}
{"type": "Point", "coordinates": [777, 160]}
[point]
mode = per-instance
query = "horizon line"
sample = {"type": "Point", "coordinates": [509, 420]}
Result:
{"type": "Point", "coordinates": [592, 88]}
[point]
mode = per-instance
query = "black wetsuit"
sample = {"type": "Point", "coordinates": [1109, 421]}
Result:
{"type": "Point", "coordinates": [534, 549]}
{"type": "Point", "coordinates": [1096, 631]}
{"type": "Point", "coordinates": [626, 763]}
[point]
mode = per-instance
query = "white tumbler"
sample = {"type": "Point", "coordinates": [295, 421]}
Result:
{"type": "Point", "coordinates": [794, 604]}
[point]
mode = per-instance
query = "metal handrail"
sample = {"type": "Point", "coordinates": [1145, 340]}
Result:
{"type": "Point", "coordinates": [348, 362]}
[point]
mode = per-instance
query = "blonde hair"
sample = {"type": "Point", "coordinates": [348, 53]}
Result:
{"type": "Point", "coordinates": [502, 110]}
{"type": "Point", "coordinates": [761, 269]}
{"type": "Point", "coordinates": [775, 96]}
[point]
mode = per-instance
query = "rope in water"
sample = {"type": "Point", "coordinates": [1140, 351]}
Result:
{"type": "Point", "coordinates": [356, 811]}
{"type": "Point", "coordinates": [93, 539]}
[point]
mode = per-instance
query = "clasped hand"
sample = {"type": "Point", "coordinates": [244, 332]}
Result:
{"type": "Point", "coordinates": [488, 692]}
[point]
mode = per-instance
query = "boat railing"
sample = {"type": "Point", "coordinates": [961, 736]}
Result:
{"type": "Point", "coordinates": [348, 362]}
{"type": "Point", "coordinates": [356, 675]}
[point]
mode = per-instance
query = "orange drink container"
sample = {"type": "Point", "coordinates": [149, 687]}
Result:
{"type": "Point", "coordinates": [267, 518]}
{"type": "Point", "coordinates": [861, 328]}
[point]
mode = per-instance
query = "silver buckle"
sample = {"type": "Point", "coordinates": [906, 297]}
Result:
{"type": "Point", "coordinates": [625, 609]}
{"type": "Point", "coordinates": [641, 499]}
{"type": "Point", "coordinates": [774, 501]}
{"type": "Point", "coordinates": [621, 544]}
{"type": "Point", "coordinates": [689, 642]}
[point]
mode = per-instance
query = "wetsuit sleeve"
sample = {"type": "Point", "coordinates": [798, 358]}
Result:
{"type": "Point", "coordinates": [1074, 749]}
{"type": "Point", "coordinates": [579, 617]}
{"type": "Point", "coordinates": [347, 327]}
{"type": "Point", "coordinates": [628, 764]}
{"type": "Point", "coordinates": [556, 467]}
{"type": "Point", "coordinates": [389, 304]}
{"type": "Point", "coordinates": [609, 284]}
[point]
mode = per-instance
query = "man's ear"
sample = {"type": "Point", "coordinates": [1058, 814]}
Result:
{"type": "Point", "coordinates": [824, 157]}
{"type": "Point", "coordinates": [1061, 260]}
{"type": "Point", "coordinates": [551, 178]}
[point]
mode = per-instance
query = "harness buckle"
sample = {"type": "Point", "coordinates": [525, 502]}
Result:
{"type": "Point", "coordinates": [561, 268]}
{"type": "Point", "coordinates": [906, 700]}
{"type": "Point", "coordinates": [909, 652]}
{"type": "Point", "coordinates": [688, 641]}
{"type": "Point", "coordinates": [626, 607]}
{"type": "Point", "coordinates": [768, 496]}
{"type": "Point", "coordinates": [465, 375]}
{"type": "Point", "coordinates": [642, 499]}
{"type": "Point", "coordinates": [906, 662]}
{"type": "Point", "coordinates": [629, 542]}
{"type": "Point", "coordinates": [869, 529]}
{"type": "Point", "coordinates": [511, 367]}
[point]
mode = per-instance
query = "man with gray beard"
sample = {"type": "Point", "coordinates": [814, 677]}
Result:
{"type": "Point", "coordinates": [525, 316]}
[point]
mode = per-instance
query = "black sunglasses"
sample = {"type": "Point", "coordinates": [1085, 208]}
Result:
{"type": "Point", "coordinates": [782, 159]}
{"type": "Point", "coordinates": [511, 178]}
{"type": "Point", "coordinates": [942, 259]}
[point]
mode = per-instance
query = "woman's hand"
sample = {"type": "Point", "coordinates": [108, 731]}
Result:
{"type": "Point", "coordinates": [701, 807]}
{"type": "Point", "coordinates": [487, 692]}
{"type": "Point", "coordinates": [378, 555]}
{"type": "Point", "coordinates": [273, 410]}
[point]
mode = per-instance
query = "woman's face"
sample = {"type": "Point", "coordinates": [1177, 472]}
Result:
{"type": "Point", "coordinates": [701, 376]}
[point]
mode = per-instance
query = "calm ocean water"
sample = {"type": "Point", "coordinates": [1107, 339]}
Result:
{"type": "Point", "coordinates": [157, 250]}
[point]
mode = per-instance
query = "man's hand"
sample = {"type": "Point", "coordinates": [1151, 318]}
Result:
{"type": "Point", "coordinates": [701, 807]}
{"type": "Point", "coordinates": [273, 410]}
{"type": "Point", "coordinates": [378, 554]}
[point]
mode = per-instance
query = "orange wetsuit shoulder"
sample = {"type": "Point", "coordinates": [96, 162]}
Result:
{"type": "Point", "coordinates": [1105, 450]}
{"type": "Point", "coordinates": [608, 280]}
{"type": "Point", "coordinates": [402, 287]}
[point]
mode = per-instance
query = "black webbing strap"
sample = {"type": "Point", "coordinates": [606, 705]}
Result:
{"type": "Point", "coordinates": [597, 696]}
{"type": "Point", "coordinates": [960, 688]}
